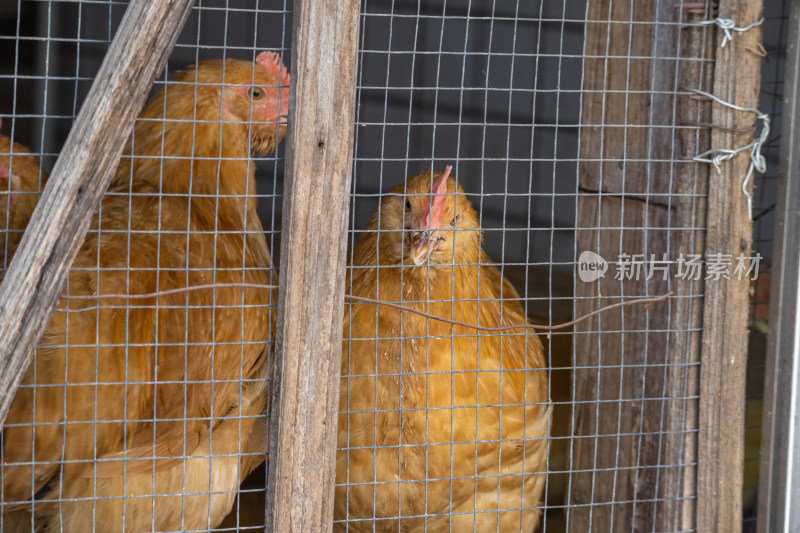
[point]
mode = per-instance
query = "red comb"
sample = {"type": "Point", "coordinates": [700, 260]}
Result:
{"type": "Point", "coordinates": [433, 216]}
{"type": "Point", "coordinates": [271, 62]}
{"type": "Point", "coordinates": [440, 187]}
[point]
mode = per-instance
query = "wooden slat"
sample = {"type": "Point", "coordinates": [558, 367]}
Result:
{"type": "Point", "coordinates": [79, 179]}
{"type": "Point", "coordinates": [640, 373]}
{"type": "Point", "coordinates": [311, 295]}
{"type": "Point", "coordinates": [725, 334]}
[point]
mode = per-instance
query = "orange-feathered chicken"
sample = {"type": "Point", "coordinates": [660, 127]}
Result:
{"type": "Point", "coordinates": [441, 426]}
{"type": "Point", "coordinates": [162, 377]}
{"type": "Point", "coordinates": [21, 180]}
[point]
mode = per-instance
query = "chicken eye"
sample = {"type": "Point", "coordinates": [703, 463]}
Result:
{"type": "Point", "coordinates": [408, 205]}
{"type": "Point", "coordinates": [255, 93]}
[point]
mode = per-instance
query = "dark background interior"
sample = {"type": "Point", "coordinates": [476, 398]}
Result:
{"type": "Point", "coordinates": [493, 90]}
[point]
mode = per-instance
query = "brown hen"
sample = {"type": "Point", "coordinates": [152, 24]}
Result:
{"type": "Point", "coordinates": [441, 427]}
{"type": "Point", "coordinates": [126, 387]}
{"type": "Point", "coordinates": [21, 180]}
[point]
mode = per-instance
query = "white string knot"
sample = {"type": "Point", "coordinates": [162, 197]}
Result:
{"type": "Point", "coordinates": [727, 26]}
{"type": "Point", "coordinates": [716, 156]}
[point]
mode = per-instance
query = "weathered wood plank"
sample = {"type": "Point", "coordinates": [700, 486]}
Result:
{"type": "Point", "coordinates": [79, 179]}
{"type": "Point", "coordinates": [677, 510]}
{"type": "Point", "coordinates": [633, 424]}
{"type": "Point", "coordinates": [725, 335]}
{"type": "Point", "coordinates": [311, 296]}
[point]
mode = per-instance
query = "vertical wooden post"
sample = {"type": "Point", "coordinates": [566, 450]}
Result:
{"type": "Point", "coordinates": [729, 231]}
{"type": "Point", "coordinates": [79, 179]}
{"type": "Point", "coordinates": [311, 295]}
{"type": "Point", "coordinates": [634, 420]}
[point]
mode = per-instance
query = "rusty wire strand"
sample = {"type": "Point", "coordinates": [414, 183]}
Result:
{"type": "Point", "coordinates": [648, 301]}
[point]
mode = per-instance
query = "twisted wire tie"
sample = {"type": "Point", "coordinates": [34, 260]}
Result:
{"type": "Point", "coordinates": [757, 160]}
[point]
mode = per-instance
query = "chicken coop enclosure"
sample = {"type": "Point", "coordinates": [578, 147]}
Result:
{"type": "Point", "coordinates": [516, 266]}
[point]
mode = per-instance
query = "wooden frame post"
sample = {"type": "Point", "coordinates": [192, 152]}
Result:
{"type": "Point", "coordinates": [720, 462]}
{"type": "Point", "coordinates": [305, 390]}
{"type": "Point", "coordinates": [36, 275]}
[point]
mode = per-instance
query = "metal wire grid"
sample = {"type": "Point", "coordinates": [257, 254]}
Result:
{"type": "Point", "coordinates": [639, 511]}
{"type": "Point", "coordinates": [55, 49]}
{"type": "Point", "coordinates": [519, 57]}
{"type": "Point", "coordinates": [463, 83]}
{"type": "Point", "coordinates": [404, 126]}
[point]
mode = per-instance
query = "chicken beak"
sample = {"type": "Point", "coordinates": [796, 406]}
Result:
{"type": "Point", "coordinates": [280, 120]}
{"type": "Point", "coordinates": [422, 242]}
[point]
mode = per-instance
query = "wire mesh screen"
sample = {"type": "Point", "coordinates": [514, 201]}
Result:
{"type": "Point", "coordinates": [496, 92]}
{"type": "Point", "coordinates": [144, 411]}
{"type": "Point", "coordinates": [516, 163]}
{"type": "Point", "coordinates": [439, 430]}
